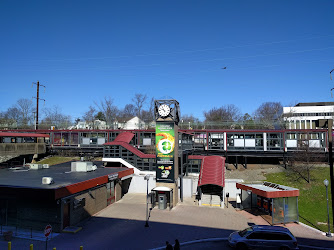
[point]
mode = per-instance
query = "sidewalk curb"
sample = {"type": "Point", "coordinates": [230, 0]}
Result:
{"type": "Point", "coordinates": [314, 229]}
{"type": "Point", "coordinates": [193, 242]}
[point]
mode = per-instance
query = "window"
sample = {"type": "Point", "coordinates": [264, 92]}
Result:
{"type": "Point", "coordinates": [245, 231]}
{"type": "Point", "coordinates": [279, 236]}
{"type": "Point", "coordinates": [256, 236]}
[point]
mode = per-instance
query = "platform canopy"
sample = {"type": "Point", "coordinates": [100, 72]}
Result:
{"type": "Point", "coordinates": [269, 190]}
{"type": "Point", "coordinates": [212, 171]}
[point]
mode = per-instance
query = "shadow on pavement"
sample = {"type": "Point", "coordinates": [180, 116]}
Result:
{"type": "Point", "coordinates": [109, 233]}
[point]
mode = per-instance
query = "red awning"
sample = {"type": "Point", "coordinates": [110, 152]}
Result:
{"type": "Point", "coordinates": [212, 171]}
{"type": "Point", "coordinates": [11, 134]}
{"type": "Point", "coordinates": [123, 140]}
{"type": "Point", "coordinates": [122, 137]}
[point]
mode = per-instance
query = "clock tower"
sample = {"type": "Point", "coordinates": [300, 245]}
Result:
{"type": "Point", "coordinates": [167, 117]}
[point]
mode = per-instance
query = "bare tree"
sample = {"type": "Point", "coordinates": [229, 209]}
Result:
{"type": "Point", "coordinates": [139, 101]}
{"type": "Point", "coordinates": [269, 113]}
{"type": "Point", "coordinates": [224, 116]}
{"type": "Point", "coordinates": [54, 117]}
{"type": "Point", "coordinates": [89, 116]}
{"type": "Point", "coordinates": [13, 113]}
{"type": "Point", "coordinates": [6, 121]}
{"type": "Point", "coordinates": [189, 121]}
{"type": "Point", "coordinates": [129, 111]}
{"type": "Point", "coordinates": [21, 112]}
{"type": "Point", "coordinates": [109, 110]}
{"type": "Point", "coordinates": [248, 122]}
{"type": "Point", "coordinates": [303, 161]}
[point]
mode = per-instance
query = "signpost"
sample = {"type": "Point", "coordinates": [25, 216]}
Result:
{"type": "Point", "coordinates": [47, 232]}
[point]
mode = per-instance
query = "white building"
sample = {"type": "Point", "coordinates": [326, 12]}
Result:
{"type": "Point", "coordinates": [97, 124]}
{"type": "Point", "coordinates": [305, 115]}
{"type": "Point", "coordinates": [133, 123]}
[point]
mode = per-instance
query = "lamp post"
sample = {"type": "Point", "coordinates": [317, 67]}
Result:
{"type": "Point", "coordinates": [147, 178]}
{"type": "Point", "coordinates": [328, 234]}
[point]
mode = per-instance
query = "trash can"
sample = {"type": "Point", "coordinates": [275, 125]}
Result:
{"type": "Point", "coordinates": [162, 198]}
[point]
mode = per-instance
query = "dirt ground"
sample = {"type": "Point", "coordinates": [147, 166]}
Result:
{"type": "Point", "coordinates": [254, 172]}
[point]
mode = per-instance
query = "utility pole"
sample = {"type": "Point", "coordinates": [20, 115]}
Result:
{"type": "Point", "coordinates": [330, 155]}
{"type": "Point", "coordinates": [37, 99]}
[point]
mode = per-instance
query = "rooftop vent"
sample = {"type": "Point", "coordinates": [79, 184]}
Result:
{"type": "Point", "coordinates": [80, 166]}
{"type": "Point", "coordinates": [47, 180]}
{"type": "Point", "coordinates": [35, 166]}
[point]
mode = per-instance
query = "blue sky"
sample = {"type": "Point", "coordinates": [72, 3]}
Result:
{"type": "Point", "coordinates": [83, 51]}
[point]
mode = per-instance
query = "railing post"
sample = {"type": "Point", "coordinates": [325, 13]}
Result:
{"type": "Point", "coordinates": [9, 245]}
{"type": "Point", "coordinates": [31, 246]}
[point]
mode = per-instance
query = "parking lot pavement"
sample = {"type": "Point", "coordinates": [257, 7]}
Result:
{"type": "Point", "coordinates": [122, 226]}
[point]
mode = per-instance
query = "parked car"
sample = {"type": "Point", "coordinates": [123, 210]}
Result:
{"type": "Point", "coordinates": [257, 237]}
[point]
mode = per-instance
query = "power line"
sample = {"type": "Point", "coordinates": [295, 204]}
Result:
{"type": "Point", "coordinates": [184, 51]}
{"type": "Point", "coordinates": [187, 62]}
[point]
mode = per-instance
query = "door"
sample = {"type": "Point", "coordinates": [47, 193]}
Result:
{"type": "Point", "coordinates": [110, 193]}
{"type": "Point", "coordinates": [66, 215]}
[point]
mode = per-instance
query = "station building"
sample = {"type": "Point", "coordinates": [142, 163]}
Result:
{"type": "Point", "coordinates": [305, 115]}
{"type": "Point", "coordinates": [63, 195]}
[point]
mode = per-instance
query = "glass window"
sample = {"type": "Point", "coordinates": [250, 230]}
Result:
{"type": "Point", "coordinates": [256, 235]}
{"type": "Point", "coordinates": [308, 124]}
{"type": "Point", "coordinates": [245, 231]}
{"type": "Point", "coordinates": [297, 124]}
{"type": "Point", "coordinates": [303, 124]}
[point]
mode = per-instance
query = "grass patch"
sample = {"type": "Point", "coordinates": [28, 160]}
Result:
{"type": "Point", "coordinates": [312, 202]}
{"type": "Point", "coordinates": [57, 160]}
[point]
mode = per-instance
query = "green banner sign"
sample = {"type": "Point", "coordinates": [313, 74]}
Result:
{"type": "Point", "coordinates": [165, 145]}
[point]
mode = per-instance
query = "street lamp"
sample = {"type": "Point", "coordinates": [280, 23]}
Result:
{"type": "Point", "coordinates": [147, 178]}
{"type": "Point", "coordinates": [328, 234]}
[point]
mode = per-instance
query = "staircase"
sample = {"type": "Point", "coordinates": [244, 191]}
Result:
{"type": "Point", "coordinates": [210, 200]}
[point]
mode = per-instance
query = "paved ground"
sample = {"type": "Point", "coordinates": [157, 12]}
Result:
{"type": "Point", "coordinates": [122, 226]}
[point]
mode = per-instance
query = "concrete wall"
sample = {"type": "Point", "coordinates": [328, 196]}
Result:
{"type": "Point", "coordinates": [95, 200]}
{"type": "Point", "coordinates": [189, 186]}
{"type": "Point", "coordinates": [22, 148]}
{"type": "Point", "coordinates": [230, 187]}
{"type": "Point", "coordinates": [139, 185]}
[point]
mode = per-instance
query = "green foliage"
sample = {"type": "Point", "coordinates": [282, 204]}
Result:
{"type": "Point", "coordinates": [57, 160]}
{"type": "Point", "coordinates": [312, 202]}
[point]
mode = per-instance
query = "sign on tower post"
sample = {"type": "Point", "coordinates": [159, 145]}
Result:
{"type": "Point", "coordinates": [167, 117]}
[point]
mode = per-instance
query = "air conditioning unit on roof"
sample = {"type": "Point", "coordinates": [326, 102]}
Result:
{"type": "Point", "coordinates": [80, 166]}
{"type": "Point", "coordinates": [47, 180]}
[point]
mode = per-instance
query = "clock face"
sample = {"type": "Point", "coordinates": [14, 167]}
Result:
{"type": "Point", "coordinates": [164, 110]}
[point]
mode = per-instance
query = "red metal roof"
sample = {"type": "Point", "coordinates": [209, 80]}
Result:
{"type": "Point", "coordinates": [124, 137]}
{"type": "Point", "coordinates": [212, 171]}
{"type": "Point", "coordinates": [11, 134]}
{"type": "Point", "coordinates": [268, 191]}
{"type": "Point", "coordinates": [123, 140]}
{"type": "Point", "coordinates": [196, 157]}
